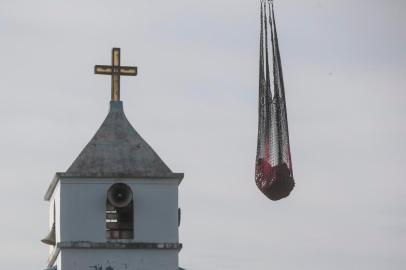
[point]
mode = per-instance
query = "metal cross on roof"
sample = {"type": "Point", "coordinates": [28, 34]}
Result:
{"type": "Point", "coordinates": [115, 70]}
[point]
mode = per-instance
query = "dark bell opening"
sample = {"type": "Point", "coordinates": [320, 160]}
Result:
{"type": "Point", "coordinates": [119, 212]}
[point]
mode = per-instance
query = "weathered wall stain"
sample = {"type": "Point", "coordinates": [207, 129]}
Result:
{"type": "Point", "coordinates": [110, 265]}
{"type": "Point", "coordinates": [96, 267]}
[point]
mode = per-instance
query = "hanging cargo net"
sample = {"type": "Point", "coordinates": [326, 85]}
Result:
{"type": "Point", "coordinates": [273, 172]}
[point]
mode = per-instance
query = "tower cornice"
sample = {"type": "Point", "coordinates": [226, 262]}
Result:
{"type": "Point", "coordinates": [111, 178]}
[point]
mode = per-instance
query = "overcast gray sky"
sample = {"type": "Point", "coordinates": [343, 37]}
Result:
{"type": "Point", "coordinates": [195, 102]}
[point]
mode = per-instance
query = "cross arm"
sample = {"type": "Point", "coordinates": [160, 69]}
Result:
{"type": "Point", "coordinates": [108, 70]}
{"type": "Point", "coordinates": [128, 71]}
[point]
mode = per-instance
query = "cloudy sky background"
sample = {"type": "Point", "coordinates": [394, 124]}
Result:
{"type": "Point", "coordinates": [195, 102]}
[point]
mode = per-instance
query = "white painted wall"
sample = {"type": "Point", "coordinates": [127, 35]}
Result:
{"type": "Point", "coordinates": [83, 201]}
{"type": "Point", "coordinates": [80, 216]}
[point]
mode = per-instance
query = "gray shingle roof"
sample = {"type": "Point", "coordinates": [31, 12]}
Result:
{"type": "Point", "coordinates": [118, 150]}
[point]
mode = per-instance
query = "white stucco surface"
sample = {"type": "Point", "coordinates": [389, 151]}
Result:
{"type": "Point", "coordinates": [83, 204]}
{"type": "Point", "coordinates": [80, 216]}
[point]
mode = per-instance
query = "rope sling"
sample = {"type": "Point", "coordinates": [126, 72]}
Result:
{"type": "Point", "coordinates": [273, 171]}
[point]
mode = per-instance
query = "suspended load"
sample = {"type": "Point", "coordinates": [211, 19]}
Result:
{"type": "Point", "coordinates": [273, 172]}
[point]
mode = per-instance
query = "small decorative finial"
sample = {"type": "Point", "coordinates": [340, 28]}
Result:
{"type": "Point", "coordinates": [115, 70]}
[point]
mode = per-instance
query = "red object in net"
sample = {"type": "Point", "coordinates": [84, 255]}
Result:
{"type": "Point", "coordinates": [273, 171]}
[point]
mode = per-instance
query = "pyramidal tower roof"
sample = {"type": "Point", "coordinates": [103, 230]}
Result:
{"type": "Point", "coordinates": [118, 150]}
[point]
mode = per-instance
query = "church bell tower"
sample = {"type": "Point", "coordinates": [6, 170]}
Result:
{"type": "Point", "coordinates": [116, 207]}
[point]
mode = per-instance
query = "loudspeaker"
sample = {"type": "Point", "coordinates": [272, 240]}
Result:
{"type": "Point", "coordinates": [119, 195]}
{"type": "Point", "coordinates": [50, 238]}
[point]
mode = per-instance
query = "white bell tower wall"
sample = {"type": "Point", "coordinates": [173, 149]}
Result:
{"type": "Point", "coordinates": [80, 205]}
{"type": "Point", "coordinates": [83, 205]}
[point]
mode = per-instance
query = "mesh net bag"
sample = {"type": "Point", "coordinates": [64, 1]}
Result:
{"type": "Point", "coordinates": [273, 171]}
